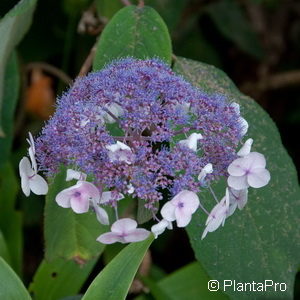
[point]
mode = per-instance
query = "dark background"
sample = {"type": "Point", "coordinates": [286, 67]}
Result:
{"type": "Point", "coordinates": [256, 42]}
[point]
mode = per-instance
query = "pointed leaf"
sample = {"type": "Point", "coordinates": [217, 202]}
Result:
{"type": "Point", "coordinates": [11, 287]}
{"type": "Point", "coordinates": [10, 96]}
{"type": "Point", "coordinates": [261, 241]}
{"type": "Point", "coordinates": [59, 278]}
{"type": "Point", "coordinates": [13, 27]}
{"type": "Point", "coordinates": [70, 235]}
{"type": "Point", "coordinates": [10, 219]}
{"type": "Point", "coordinates": [114, 281]}
{"type": "Point", "coordinates": [133, 31]}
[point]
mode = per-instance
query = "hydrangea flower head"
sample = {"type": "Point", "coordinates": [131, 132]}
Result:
{"type": "Point", "coordinates": [172, 139]}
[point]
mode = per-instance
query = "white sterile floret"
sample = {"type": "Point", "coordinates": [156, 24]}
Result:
{"type": "Point", "coordinates": [249, 170]}
{"type": "Point", "coordinates": [119, 151]}
{"type": "Point", "coordinates": [101, 214]}
{"type": "Point", "coordinates": [237, 198]}
{"type": "Point", "coordinates": [217, 216]}
{"type": "Point", "coordinates": [160, 227]}
{"type": "Point", "coordinates": [181, 208]}
{"type": "Point", "coordinates": [246, 148]}
{"type": "Point", "coordinates": [130, 188]}
{"type": "Point", "coordinates": [124, 231]}
{"type": "Point", "coordinates": [192, 141]}
{"type": "Point", "coordinates": [244, 124]}
{"type": "Point", "coordinates": [207, 169]}
{"type": "Point", "coordinates": [30, 180]}
{"type": "Point", "coordinates": [72, 174]}
{"type": "Point", "coordinates": [106, 197]}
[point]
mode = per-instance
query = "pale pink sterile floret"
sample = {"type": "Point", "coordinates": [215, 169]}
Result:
{"type": "Point", "coordinates": [78, 197]}
{"type": "Point", "coordinates": [124, 231]}
{"type": "Point", "coordinates": [248, 171]}
{"type": "Point", "coordinates": [237, 198]}
{"type": "Point", "coordinates": [217, 216]}
{"type": "Point", "coordinates": [181, 208]}
{"type": "Point", "coordinates": [30, 180]}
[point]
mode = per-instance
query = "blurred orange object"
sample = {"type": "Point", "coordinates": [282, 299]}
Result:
{"type": "Point", "coordinates": [40, 96]}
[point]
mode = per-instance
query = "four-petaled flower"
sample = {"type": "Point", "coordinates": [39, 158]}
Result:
{"type": "Point", "coordinates": [78, 196]}
{"type": "Point", "coordinates": [181, 208]}
{"type": "Point", "coordinates": [217, 216]}
{"type": "Point", "coordinates": [30, 180]}
{"type": "Point", "coordinates": [248, 171]}
{"type": "Point", "coordinates": [124, 231]}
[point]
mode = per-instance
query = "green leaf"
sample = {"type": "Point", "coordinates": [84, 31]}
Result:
{"type": "Point", "coordinates": [10, 219]}
{"type": "Point", "coordinates": [114, 281]}
{"type": "Point", "coordinates": [13, 27]}
{"type": "Point", "coordinates": [11, 287]}
{"type": "Point", "coordinates": [10, 96]}
{"type": "Point", "coordinates": [189, 282]}
{"type": "Point", "coordinates": [233, 24]}
{"type": "Point", "coordinates": [3, 249]}
{"type": "Point", "coordinates": [67, 234]}
{"type": "Point", "coordinates": [59, 278]}
{"type": "Point", "coordinates": [261, 241]}
{"type": "Point", "coordinates": [134, 31]}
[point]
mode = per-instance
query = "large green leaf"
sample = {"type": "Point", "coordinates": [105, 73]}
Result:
{"type": "Point", "coordinates": [10, 219]}
{"type": "Point", "coordinates": [260, 242]}
{"type": "Point", "coordinates": [114, 281]}
{"type": "Point", "coordinates": [70, 235]}
{"type": "Point", "coordinates": [10, 96]}
{"type": "Point", "coordinates": [233, 24]}
{"type": "Point", "coordinates": [11, 287]}
{"type": "Point", "coordinates": [59, 278]}
{"type": "Point", "coordinates": [189, 282]}
{"type": "Point", "coordinates": [134, 31]}
{"type": "Point", "coordinates": [13, 26]}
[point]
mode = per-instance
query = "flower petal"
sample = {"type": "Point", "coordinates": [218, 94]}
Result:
{"type": "Point", "coordinates": [237, 167]}
{"type": "Point", "coordinates": [168, 211]}
{"type": "Point", "coordinates": [124, 225]}
{"type": "Point", "coordinates": [257, 160]}
{"type": "Point", "coordinates": [109, 238]}
{"type": "Point", "coordinates": [238, 182]}
{"type": "Point", "coordinates": [160, 227]}
{"type": "Point", "coordinates": [244, 125]}
{"type": "Point", "coordinates": [38, 185]}
{"type": "Point", "coordinates": [246, 148]}
{"type": "Point", "coordinates": [25, 167]}
{"type": "Point", "coordinates": [80, 204]}
{"type": "Point", "coordinates": [101, 214]}
{"type": "Point", "coordinates": [258, 177]}
{"type": "Point", "coordinates": [183, 217]}
{"type": "Point", "coordinates": [72, 174]}
{"type": "Point", "coordinates": [136, 235]}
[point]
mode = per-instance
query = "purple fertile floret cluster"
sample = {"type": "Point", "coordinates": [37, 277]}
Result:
{"type": "Point", "coordinates": [150, 109]}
